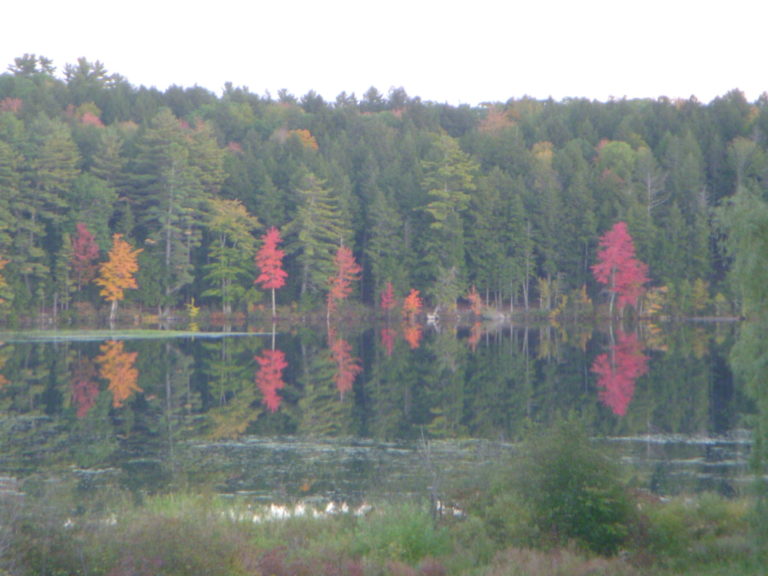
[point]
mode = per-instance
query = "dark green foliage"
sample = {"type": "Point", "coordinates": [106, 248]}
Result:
{"type": "Point", "coordinates": [560, 489]}
{"type": "Point", "coordinates": [575, 490]}
{"type": "Point", "coordinates": [427, 195]}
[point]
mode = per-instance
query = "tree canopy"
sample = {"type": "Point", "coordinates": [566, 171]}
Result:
{"type": "Point", "coordinates": [509, 197]}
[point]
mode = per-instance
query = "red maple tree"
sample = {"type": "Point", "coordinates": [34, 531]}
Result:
{"type": "Point", "coordinates": [85, 252]}
{"type": "Point", "coordinates": [618, 370]}
{"type": "Point", "coordinates": [269, 259]}
{"type": "Point", "coordinates": [269, 377]}
{"type": "Point", "coordinates": [347, 271]}
{"type": "Point", "coordinates": [618, 269]}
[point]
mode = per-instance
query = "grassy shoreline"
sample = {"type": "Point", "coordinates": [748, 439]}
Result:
{"type": "Point", "coordinates": [562, 508]}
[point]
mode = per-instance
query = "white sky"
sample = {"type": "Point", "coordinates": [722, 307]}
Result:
{"type": "Point", "coordinates": [455, 52]}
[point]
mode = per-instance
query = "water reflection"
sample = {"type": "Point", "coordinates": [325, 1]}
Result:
{"type": "Point", "coordinates": [125, 404]}
{"type": "Point", "coordinates": [618, 371]}
{"type": "Point", "coordinates": [269, 377]}
{"type": "Point", "coordinates": [117, 367]}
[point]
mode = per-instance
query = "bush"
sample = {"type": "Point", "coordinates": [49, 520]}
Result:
{"type": "Point", "coordinates": [405, 533]}
{"type": "Point", "coordinates": [575, 491]}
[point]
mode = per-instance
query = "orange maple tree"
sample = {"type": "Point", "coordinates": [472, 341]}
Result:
{"type": "Point", "coordinates": [412, 305]}
{"type": "Point", "coordinates": [116, 366]}
{"type": "Point", "coordinates": [117, 273]}
{"type": "Point", "coordinates": [475, 301]}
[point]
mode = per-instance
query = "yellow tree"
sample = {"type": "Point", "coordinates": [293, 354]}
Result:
{"type": "Point", "coordinates": [117, 273]}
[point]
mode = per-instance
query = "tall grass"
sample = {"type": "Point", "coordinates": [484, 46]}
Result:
{"type": "Point", "coordinates": [559, 509]}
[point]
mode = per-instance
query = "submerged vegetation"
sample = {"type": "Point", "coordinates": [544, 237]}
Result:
{"type": "Point", "coordinates": [566, 512]}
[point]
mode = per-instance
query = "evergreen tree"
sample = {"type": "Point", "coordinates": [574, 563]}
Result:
{"type": "Point", "coordinates": [315, 233]}
{"type": "Point", "coordinates": [231, 251]}
{"type": "Point", "coordinates": [172, 198]}
{"type": "Point", "coordinates": [449, 178]}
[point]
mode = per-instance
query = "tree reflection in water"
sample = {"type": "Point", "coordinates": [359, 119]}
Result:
{"type": "Point", "coordinates": [618, 370]}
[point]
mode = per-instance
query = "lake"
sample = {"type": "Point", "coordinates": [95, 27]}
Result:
{"type": "Point", "coordinates": [346, 415]}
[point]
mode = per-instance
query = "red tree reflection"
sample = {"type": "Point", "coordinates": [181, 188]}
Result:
{"type": "Point", "coordinates": [347, 367]}
{"type": "Point", "coordinates": [85, 388]}
{"type": "Point", "coordinates": [269, 377]}
{"type": "Point", "coordinates": [617, 371]}
{"type": "Point", "coordinates": [388, 340]}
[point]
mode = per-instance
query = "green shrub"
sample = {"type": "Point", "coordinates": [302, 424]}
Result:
{"type": "Point", "coordinates": [574, 491]}
{"type": "Point", "coordinates": [405, 532]}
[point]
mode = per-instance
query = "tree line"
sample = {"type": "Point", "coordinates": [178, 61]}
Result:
{"type": "Point", "coordinates": [507, 200]}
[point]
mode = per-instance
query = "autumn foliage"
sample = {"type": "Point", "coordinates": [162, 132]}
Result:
{"type": "Point", "coordinates": [618, 370]}
{"type": "Point", "coordinates": [412, 334]}
{"type": "Point", "coordinates": [117, 273]}
{"type": "Point", "coordinates": [347, 367]}
{"type": "Point", "coordinates": [269, 259]}
{"type": "Point", "coordinates": [3, 283]}
{"type": "Point", "coordinates": [85, 252]}
{"type": "Point", "coordinates": [347, 271]}
{"type": "Point", "coordinates": [412, 305]}
{"type": "Point", "coordinates": [269, 377]}
{"type": "Point", "coordinates": [388, 340]}
{"type": "Point", "coordinates": [475, 301]}
{"type": "Point", "coordinates": [617, 267]}
{"type": "Point", "coordinates": [388, 297]}
{"type": "Point", "coordinates": [85, 388]}
{"type": "Point", "coordinates": [116, 366]}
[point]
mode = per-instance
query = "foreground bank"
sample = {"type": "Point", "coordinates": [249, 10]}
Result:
{"type": "Point", "coordinates": [561, 508]}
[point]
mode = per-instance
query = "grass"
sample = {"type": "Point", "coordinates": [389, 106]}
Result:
{"type": "Point", "coordinates": [565, 512]}
{"type": "Point", "coordinates": [185, 535]}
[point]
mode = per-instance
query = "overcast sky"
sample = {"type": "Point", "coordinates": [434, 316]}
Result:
{"type": "Point", "coordinates": [454, 52]}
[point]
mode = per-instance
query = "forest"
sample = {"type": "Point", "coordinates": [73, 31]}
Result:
{"type": "Point", "coordinates": [507, 200]}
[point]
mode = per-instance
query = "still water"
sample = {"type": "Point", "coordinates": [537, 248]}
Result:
{"type": "Point", "coordinates": [347, 415]}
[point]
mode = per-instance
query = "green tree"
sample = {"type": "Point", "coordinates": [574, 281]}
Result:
{"type": "Point", "coordinates": [449, 178]}
{"type": "Point", "coordinates": [387, 243]}
{"type": "Point", "coordinates": [40, 206]}
{"type": "Point", "coordinates": [172, 198]}
{"type": "Point", "coordinates": [315, 234]}
{"type": "Point", "coordinates": [745, 221]}
{"type": "Point", "coordinates": [230, 251]}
